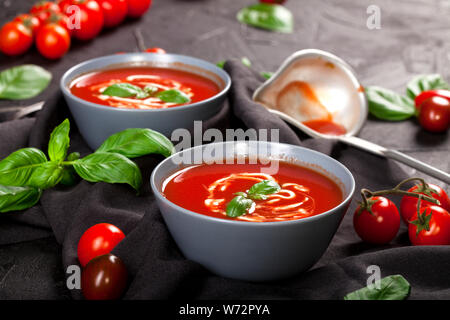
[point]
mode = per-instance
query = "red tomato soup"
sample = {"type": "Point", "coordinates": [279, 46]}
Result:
{"type": "Point", "coordinates": [207, 189]}
{"type": "Point", "coordinates": [90, 87]}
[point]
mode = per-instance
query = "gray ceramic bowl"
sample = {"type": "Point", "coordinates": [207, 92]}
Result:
{"type": "Point", "coordinates": [97, 122]}
{"type": "Point", "coordinates": [254, 251]}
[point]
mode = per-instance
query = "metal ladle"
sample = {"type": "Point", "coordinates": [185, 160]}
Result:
{"type": "Point", "coordinates": [334, 81]}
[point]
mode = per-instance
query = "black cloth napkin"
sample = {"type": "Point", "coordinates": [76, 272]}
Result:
{"type": "Point", "coordinates": [158, 269]}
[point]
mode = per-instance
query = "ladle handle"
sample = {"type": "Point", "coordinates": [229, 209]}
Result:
{"type": "Point", "coordinates": [396, 155]}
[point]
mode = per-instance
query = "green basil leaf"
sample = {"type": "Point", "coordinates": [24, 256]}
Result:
{"type": "Point", "coordinates": [59, 141]}
{"type": "Point", "coordinates": [388, 105]}
{"type": "Point", "coordinates": [110, 168]}
{"type": "Point", "coordinates": [70, 177]}
{"type": "Point", "coordinates": [174, 96]}
{"type": "Point", "coordinates": [266, 75]}
{"type": "Point", "coordinates": [125, 90]}
{"type": "Point", "coordinates": [259, 190]}
{"type": "Point", "coordinates": [221, 63]}
{"type": "Point", "coordinates": [134, 143]}
{"type": "Point", "coordinates": [46, 175]}
{"type": "Point", "coordinates": [23, 82]}
{"type": "Point", "coordinates": [17, 168]}
{"type": "Point", "coordinates": [267, 16]}
{"type": "Point", "coordinates": [425, 82]}
{"type": "Point", "coordinates": [391, 288]}
{"type": "Point", "coordinates": [238, 206]}
{"type": "Point", "coordinates": [18, 198]}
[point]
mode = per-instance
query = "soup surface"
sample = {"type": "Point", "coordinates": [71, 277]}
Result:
{"type": "Point", "coordinates": [207, 189]}
{"type": "Point", "coordinates": [91, 87]}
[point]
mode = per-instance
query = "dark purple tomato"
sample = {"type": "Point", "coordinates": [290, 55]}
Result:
{"type": "Point", "coordinates": [104, 278]}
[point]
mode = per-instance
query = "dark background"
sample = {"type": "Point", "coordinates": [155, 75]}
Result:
{"type": "Point", "coordinates": [414, 38]}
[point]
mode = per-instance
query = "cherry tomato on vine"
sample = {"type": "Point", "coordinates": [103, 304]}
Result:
{"type": "Point", "coordinates": [15, 38]}
{"type": "Point", "coordinates": [91, 19]}
{"type": "Point", "coordinates": [408, 204]}
{"type": "Point", "coordinates": [434, 114]}
{"type": "Point", "coordinates": [42, 10]}
{"type": "Point", "coordinates": [137, 8]}
{"type": "Point", "coordinates": [104, 278]}
{"type": "Point", "coordinates": [114, 11]}
{"type": "Point", "coordinates": [29, 21]}
{"type": "Point", "coordinates": [98, 240]}
{"type": "Point", "coordinates": [53, 41]}
{"type": "Point", "coordinates": [431, 227]}
{"type": "Point", "coordinates": [60, 19]}
{"type": "Point", "coordinates": [379, 222]}
{"type": "Point", "coordinates": [156, 50]}
{"type": "Point", "coordinates": [425, 95]}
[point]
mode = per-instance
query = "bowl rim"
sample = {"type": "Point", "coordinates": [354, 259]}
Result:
{"type": "Point", "coordinates": [252, 224]}
{"type": "Point", "coordinates": [178, 58]}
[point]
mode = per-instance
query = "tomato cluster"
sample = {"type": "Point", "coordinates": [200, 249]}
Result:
{"type": "Point", "coordinates": [377, 219]}
{"type": "Point", "coordinates": [51, 25]}
{"type": "Point", "coordinates": [433, 110]}
{"type": "Point", "coordinates": [104, 275]}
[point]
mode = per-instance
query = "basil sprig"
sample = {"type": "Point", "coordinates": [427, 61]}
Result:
{"type": "Point", "coordinates": [128, 90]}
{"type": "Point", "coordinates": [390, 288]}
{"type": "Point", "coordinates": [173, 96]}
{"type": "Point", "coordinates": [23, 82]}
{"type": "Point", "coordinates": [272, 17]}
{"type": "Point", "coordinates": [243, 202]}
{"type": "Point", "coordinates": [25, 173]}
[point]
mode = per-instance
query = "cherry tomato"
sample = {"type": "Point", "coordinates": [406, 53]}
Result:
{"type": "Point", "coordinates": [91, 19]}
{"type": "Point", "coordinates": [434, 114]}
{"type": "Point", "coordinates": [60, 19]}
{"type": "Point", "coordinates": [64, 4]}
{"type": "Point", "coordinates": [433, 227]}
{"type": "Point", "coordinates": [114, 11]}
{"type": "Point", "coordinates": [104, 278]}
{"type": "Point", "coordinates": [379, 223]}
{"type": "Point", "coordinates": [155, 50]}
{"type": "Point", "coordinates": [408, 205]}
{"type": "Point", "coordinates": [42, 10]}
{"type": "Point", "coordinates": [137, 8]}
{"type": "Point", "coordinates": [15, 38]}
{"type": "Point", "coordinates": [53, 41]}
{"type": "Point", "coordinates": [429, 94]}
{"type": "Point", "coordinates": [29, 21]}
{"type": "Point", "coordinates": [98, 240]}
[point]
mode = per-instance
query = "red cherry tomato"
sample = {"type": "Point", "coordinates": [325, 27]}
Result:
{"type": "Point", "coordinates": [98, 240]}
{"type": "Point", "coordinates": [63, 4]}
{"type": "Point", "coordinates": [91, 19]}
{"type": "Point", "coordinates": [42, 10]}
{"type": "Point", "coordinates": [104, 278]}
{"type": "Point", "coordinates": [29, 21]}
{"type": "Point", "coordinates": [60, 19]}
{"type": "Point", "coordinates": [433, 227]}
{"type": "Point", "coordinates": [380, 224]}
{"type": "Point", "coordinates": [155, 50]}
{"type": "Point", "coordinates": [137, 8]}
{"type": "Point", "coordinates": [53, 41]}
{"type": "Point", "coordinates": [434, 114]}
{"type": "Point", "coordinates": [408, 205]}
{"type": "Point", "coordinates": [15, 38]}
{"type": "Point", "coordinates": [429, 94]}
{"type": "Point", "coordinates": [114, 11]}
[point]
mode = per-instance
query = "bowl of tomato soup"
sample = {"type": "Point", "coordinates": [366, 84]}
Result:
{"type": "Point", "coordinates": [163, 92]}
{"type": "Point", "coordinates": [254, 211]}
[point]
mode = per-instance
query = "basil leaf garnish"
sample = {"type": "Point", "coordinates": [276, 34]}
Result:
{"type": "Point", "coordinates": [134, 143]}
{"type": "Point", "coordinates": [23, 82]}
{"type": "Point", "coordinates": [59, 141]}
{"type": "Point", "coordinates": [272, 17]}
{"type": "Point", "coordinates": [46, 175]}
{"type": "Point", "coordinates": [174, 96]}
{"type": "Point", "coordinates": [391, 288]}
{"type": "Point", "coordinates": [110, 168]}
{"type": "Point", "coordinates": [388, 105]}
{"type": "Point", "coordinates": [125, 90]}
{"type": "Point", "coordinates": [238, 206]}
{"type": "Point", "coordinates": [425, 82]}
{"type": "Point", "coordinates": [221, 63]}
{"type": "Point", "coordinates": [17, 168]}
{"type": "Point", "coordinates": [259, 190]}
{"type": "Point", "coordinates": [18, 198]}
